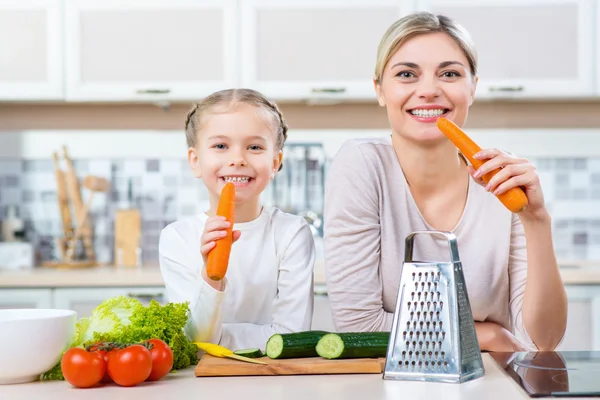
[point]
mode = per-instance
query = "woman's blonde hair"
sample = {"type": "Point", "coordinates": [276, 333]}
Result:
{"type": "Point", "coordinates": [224, 101]}
{"type": "Point", "coordinates": [417, 24]}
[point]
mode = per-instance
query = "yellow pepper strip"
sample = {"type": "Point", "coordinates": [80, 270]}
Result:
{"type": "Point", "coordinates": [220, 351]}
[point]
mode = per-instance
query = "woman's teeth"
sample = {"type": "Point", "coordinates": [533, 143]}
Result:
{"type": "Point", "coordinates": [236, 179]}
{"type": "Point", "coordinates": [428, 113]}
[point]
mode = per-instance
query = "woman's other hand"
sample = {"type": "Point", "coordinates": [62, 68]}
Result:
{"type": "Point", "coordinates": [514, 172]}
{"type": "Point", "coordinates": [493, 337]}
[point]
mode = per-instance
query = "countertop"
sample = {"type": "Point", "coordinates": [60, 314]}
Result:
{"type": "Point", "coordinates": [108, 276]}
{"type": "Point", "coordinates": [495, 384]}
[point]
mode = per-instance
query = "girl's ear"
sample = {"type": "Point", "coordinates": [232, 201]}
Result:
{"type": "Point", "coordinates": [194, 162]}
{"type": "Point", "coordinates": [277, 163]}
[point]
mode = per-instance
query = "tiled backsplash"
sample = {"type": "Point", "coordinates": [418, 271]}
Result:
{"type": "Point", "coordinates": [163, 189]}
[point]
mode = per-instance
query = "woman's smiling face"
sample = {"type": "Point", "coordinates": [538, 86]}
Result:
{"type": "Point", "coordinates": [426, 78]}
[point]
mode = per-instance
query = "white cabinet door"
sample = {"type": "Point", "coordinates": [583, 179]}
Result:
{"type": "Point", "coordinates": [149, 50]}
{"type": "Point", "coordinates": [583, 319]}
{"type": "Point", "coordinates": [307, 49]}
{"type": "Point", "coordinates": [84, 300]}
{"type": "Point", "coordinates": [527, 48]}
{"type": "Point", "coordinates": [31, 66]}
{"type": "Point", "coordinates": [25, 298]}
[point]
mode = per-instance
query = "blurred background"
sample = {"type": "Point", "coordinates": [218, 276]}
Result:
{"type": "Point", "coordinates": [105, 86]}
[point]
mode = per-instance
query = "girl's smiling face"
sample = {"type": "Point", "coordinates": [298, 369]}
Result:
{"type": "Point", "coordinates": [236, 146]}
{"type": "Point", "coordinates": [426, 78]}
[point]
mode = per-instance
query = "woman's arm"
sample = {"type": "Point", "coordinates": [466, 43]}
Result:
{"type": "Point", "coordinates": [352, 244]}
{"type": "Point", "coordinates": [544, 300]}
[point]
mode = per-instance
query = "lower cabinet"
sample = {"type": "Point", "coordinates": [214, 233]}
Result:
{"type": "Point", "coordinates": [583, 319]}
{"type": "Point", "coordinates": [25, 298]}
{"type": "Point", "coordinates": [84, 300]}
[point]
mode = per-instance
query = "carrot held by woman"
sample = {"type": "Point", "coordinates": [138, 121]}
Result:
{"type": "Point", "coordinates": [514, 199]}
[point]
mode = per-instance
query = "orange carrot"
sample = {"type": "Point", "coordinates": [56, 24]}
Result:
{"type": "Point", "coordinates": [514, 199]}
{"type": "Point", "coordinates": [218, 258]}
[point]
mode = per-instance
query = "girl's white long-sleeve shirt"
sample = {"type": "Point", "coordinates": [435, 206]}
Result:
{"type": "Point", "coordinates": [268, 287]}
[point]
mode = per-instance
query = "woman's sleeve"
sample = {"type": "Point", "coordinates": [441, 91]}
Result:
{"type": "Point", "coordinates": [517, 276]}
{"type": "Point", "coordinates": [352, 243]}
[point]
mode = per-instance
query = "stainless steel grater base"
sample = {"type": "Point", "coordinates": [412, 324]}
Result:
{"type": "Point", "coordinates": [433, 334]}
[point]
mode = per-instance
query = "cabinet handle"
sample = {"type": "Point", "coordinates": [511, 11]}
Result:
{"type": "Point", "coordinates": [153, 91]}
{"type": "Point", "coordinates": [506, 88]}
{"type": "Point", "coordinates": [146, 296]}
{"type": "Point", "coordinates": [328, 90]}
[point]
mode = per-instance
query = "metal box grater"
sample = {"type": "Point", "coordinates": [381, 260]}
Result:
{"type": "Point", "coordinates": [433, 334]}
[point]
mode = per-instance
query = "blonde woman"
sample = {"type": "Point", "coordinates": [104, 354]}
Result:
{"type": "Point", "coordinates": [379, 191]}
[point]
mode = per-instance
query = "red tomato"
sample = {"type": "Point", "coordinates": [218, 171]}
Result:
{"type": "Point", "coordinates": [129, 366]}
{"type": "Point", "coordinates": [94, 347]}
{"type": "Point", "coordinates": [162, 359]}
{"type": "Point", "coordinates": [81, 368]}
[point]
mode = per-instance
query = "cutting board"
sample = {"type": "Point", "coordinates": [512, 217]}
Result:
{"type": "Point", "coordinates": [215, 366]}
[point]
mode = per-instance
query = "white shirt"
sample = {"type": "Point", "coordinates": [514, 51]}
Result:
{"type": "Point", "coordinates": [268, 287]}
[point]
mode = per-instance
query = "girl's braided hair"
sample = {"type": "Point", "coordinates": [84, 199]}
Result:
{"type": "Point", "coordinates": [228, 98]}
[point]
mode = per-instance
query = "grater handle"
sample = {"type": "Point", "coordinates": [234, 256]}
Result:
{"type": "Point", "coordinates": [408, 253]}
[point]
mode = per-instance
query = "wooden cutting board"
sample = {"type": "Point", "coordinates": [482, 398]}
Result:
{"type": "Point", "coordinates": [215, 366]}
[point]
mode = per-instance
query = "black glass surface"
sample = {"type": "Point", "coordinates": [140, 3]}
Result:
{"type": "Point", "coordinates": [553, 374]}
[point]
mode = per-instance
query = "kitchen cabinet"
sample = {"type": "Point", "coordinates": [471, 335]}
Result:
{"type": "Point", "coordinates": [149, 50]}
{"type": "Point", "coordinates": [84, 300]}
{"type": "Point", "coordinates": [527, 48]}
{"type": "Point", "coordinates": [583, 319]}
{"type": "Point", "coordinates": [25, 298]}
{"type": "Point", "coordinates": [31, 66]}
{"type": "Point", "coordinates": [313, 49]}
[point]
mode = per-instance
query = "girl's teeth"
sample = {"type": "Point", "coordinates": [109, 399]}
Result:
{"type": "Point", "coordinates": [236, 179]}
{"type": "Point", "coordinates": [427, 113]}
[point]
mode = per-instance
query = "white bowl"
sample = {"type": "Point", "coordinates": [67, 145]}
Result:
{"type": "Point", "coordinates": [32, 342]}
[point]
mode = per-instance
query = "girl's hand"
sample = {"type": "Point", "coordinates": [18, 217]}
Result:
{"type": "Point", "coordinates": [493, 337]}
{"type": "Point", "coordinates": [214, 229]}
{"type": "Point", "coordinates": [514, 172]}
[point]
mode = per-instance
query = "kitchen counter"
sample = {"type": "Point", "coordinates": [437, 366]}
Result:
{"type": "Point", "coordinates": [493, 385]}
{"type": "Point", "coordinates": [107, 276]}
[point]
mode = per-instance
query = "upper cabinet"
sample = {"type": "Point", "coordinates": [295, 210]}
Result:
{"type": "Point", "coordinates": [131, 50]}
{"type": "Point", "coordinates": [313, 49]}
{"type": "Point", "coordinates": [31, 54]}
{"type": "Point", "coordinates": [527, 48]}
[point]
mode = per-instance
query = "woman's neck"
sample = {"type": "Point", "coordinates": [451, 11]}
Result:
{"type": "Point", "coordinates": [244, 212]}
{"type": "Point", "coordinates": [428, 170]}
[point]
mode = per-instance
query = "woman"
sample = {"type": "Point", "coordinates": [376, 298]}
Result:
{"type": "Point", "coordinates": [379, 191]}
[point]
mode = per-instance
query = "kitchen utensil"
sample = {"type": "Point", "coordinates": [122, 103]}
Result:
{"type": "Point", "coordinates": [214, 366]}
{"type": "Point", "coordinates": [128, 234]}
{"type": "Point", "coordinates": [219, 351]}
{"type": "Point", "coordinates": [94, 184]}
{"type": "Point", "coordinates": [433, 334]}
{"type": "Point", "coordinates": [32, 341]}
{"type": "Point", "coordinates": [16, 255]}
{"type": "Point", "coordinates": [74, 191]}
{"type": "Point", "coordinates": [63, 205]}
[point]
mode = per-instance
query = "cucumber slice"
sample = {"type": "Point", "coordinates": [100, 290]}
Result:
{"type": "Point", "coordinates": [353, 345]}
{"type": "Point", "coordinates": [250, 353]}
{"type": "Point", "coordinates": [293, 345]}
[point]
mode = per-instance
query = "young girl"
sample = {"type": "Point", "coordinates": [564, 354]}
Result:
{"type": "Point", "coordinates": [237, 136]}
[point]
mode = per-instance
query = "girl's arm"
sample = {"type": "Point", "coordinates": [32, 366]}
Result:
{"type": "Point", "coordinates": [181, 266]}
{"type": "Point", "coordinates": [293, 305]}
{"type": "Point", "coordinates": [352, 244]}
{"type": "Point", "coordinates": [538, 297]}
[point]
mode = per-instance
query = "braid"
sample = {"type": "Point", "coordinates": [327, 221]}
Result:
{"type": "Point", "coordinates": [283, 128]}
{"type": "Point", "coordinates": [190, 126]}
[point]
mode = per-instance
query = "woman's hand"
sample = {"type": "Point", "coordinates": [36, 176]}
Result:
{"type": "Point", "coordinates": [514, 172]}
{"type": "Point", "coordinates": [493, 337]}
{"type": "Point", "coordinates": [214, 229]}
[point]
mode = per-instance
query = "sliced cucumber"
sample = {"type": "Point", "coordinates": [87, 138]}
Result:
{"type": "Point", "coordinates": [293, 345]}
{"type": "Point", "coordinates": [250, 353]}
{"type": "Point", "coordinates": [353, 345]}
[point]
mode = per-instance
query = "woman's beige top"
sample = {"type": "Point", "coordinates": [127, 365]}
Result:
{"type": "Point", "coordinates": [369, 211]}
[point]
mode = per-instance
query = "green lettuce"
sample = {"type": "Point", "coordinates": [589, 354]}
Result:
{"type": "Point", "coordinates": [125, 320]}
